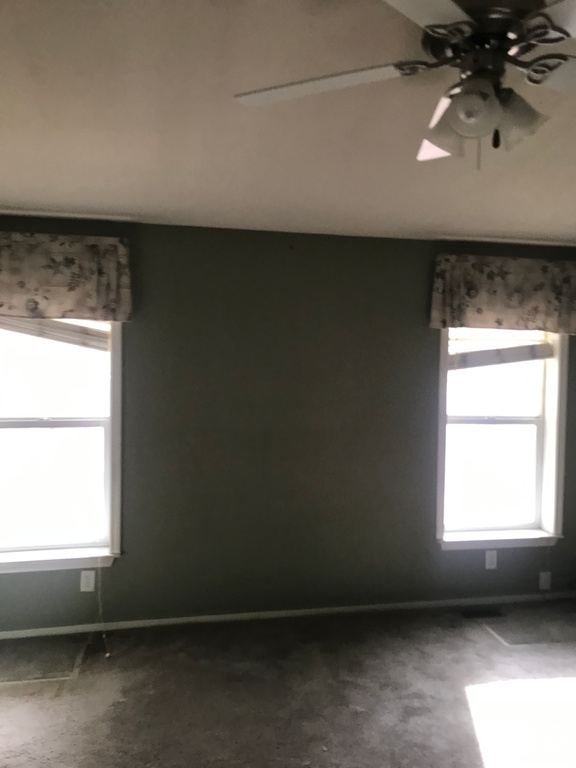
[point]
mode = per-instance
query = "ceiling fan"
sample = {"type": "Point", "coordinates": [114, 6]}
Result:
{"type": "Point", "coordinates": [481, 45]}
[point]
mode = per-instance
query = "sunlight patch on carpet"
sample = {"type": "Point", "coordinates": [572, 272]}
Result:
{"type": "Point", "coordinates": [525, 723]}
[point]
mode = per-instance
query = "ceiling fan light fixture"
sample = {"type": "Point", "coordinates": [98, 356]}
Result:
{"type": "Point", "coordinates": [482, 46]}
{"type": "Point", "coordinates": [519, 118]}
{"type": "Point", "coordinates": [445, 138]}
{"type": "Point", "coordinates": [441, 140]}
{"type": "Point", "coordinates": [429, 151]}
{"type": "Point", "coordinates": [441, 108]}
{"type": "Point", "coordinates": [475, 110]}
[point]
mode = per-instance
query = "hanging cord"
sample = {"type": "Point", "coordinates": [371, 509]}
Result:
{"type": "Point", "coordinates": [479, 156]}
{"type": "Point", "coordinates": [101, 610]}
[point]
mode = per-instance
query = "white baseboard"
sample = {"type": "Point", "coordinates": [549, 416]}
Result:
{"type": "Point", "coordinates": [74, 629]}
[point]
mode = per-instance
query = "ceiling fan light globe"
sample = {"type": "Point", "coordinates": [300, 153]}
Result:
{"type": "Point", "coordinates": [519, 118]}
{"type": "Point", "coordinates": [475, 111]}
{"type": "Point", "coordinates": [429, 151]}
{"type": "Point", "coordinates": [446, 138]}
{"type": "Point", "coordinates": [470, 108]}
{"type": "Point", "coordinates": [441, 108]}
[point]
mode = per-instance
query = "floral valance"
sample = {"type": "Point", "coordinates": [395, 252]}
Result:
{"type": "Point", "coordinates": [504, 292]}
{"type": "Point", "coordinates": [59, 276]}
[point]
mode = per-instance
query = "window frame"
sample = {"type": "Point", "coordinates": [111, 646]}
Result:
{"type": "Point", "coordinates": [548, 529]}
{"type": "Point", "coordinates": [82, 556]}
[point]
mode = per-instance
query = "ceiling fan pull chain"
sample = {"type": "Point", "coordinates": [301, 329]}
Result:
{"type": "Point", "coordinates": [479, 156]}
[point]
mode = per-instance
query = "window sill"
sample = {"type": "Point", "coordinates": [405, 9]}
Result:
{"type": "Point", "coordinates": [55, 559]}
{"type": "Point", "coordinates": [498, 539]}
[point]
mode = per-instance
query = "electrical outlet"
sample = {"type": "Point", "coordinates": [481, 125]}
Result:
{"type": "Point", "coordinates": [491, 559]}
{"type": "Point", "coordinates": [545, 580]}
{"type": "Point", "coordinates": [87, 581]}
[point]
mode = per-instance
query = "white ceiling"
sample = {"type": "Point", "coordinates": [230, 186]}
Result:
{"type": "Point", "coordinates": [124, 108]}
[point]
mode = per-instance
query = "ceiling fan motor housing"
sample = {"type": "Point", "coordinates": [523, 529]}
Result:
{"type": "Point", "coordinates": [479, 47]}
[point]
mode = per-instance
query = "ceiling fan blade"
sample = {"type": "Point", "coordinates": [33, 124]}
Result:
{"type": "Point", "coordinates": [429, 151]}
{"type": "Point", "coordinates": [563, 78]}
{"type": "Point", "coordinates": [428, 12]}
{"type": "Point", "coordinates": [318, 85]}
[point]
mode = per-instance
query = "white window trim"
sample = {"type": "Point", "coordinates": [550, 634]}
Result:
{"type": "Point", "coordinates": [550, 530]}
{"type": "Point", "coordinates": [56, 559]}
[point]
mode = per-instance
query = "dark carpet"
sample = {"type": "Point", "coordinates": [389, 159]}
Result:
{"type": "Point", "coordinates": [355, 691]}
{"type": "Point", "coordinates": [529, 625]}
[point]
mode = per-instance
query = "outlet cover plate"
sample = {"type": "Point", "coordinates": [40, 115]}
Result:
{"type": "Point", "coordinates": [545, 580]}
{"type": "Point", "coordinates": [87, 581]}
{"type": "Point", "coordinates": [491, 559]}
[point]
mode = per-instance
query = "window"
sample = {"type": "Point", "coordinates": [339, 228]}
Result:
{"type": "Point", "coordinates": [502, 397]}
{"type": "Point", "coordinates": [59, 443]}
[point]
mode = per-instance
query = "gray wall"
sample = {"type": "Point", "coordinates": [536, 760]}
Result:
{"type": "Point", "coordinates": [280, 417]}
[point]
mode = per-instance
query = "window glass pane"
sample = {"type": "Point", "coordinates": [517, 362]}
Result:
{"type": "Point", "coordinates": [490, 476]}
{"type": "Point", "coordinates": [52, 487]}
{"type": "Point", "coordinates": [44, 378]}
{"type": "Point", "coordinates": [512, 389]}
